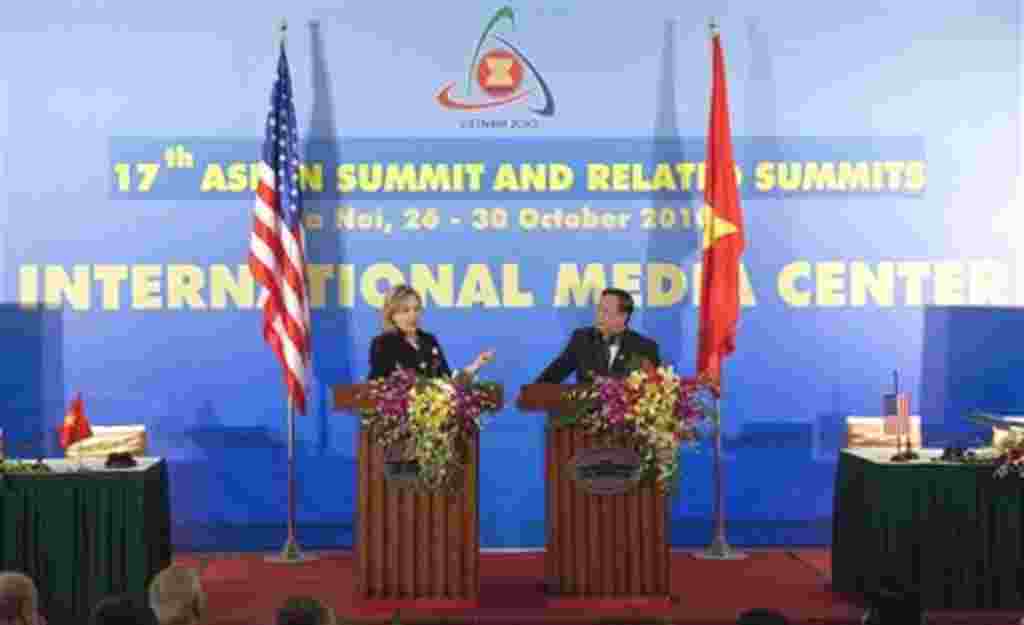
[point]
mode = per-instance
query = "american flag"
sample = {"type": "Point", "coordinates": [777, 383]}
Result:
{"type": "Point", "coordinates": [277, 246]}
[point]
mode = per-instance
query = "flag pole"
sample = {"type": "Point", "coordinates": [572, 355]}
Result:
{"type": "Point", "coordinates": [719, 548]}
{"type": "Point", "coordinates": [291, 553]}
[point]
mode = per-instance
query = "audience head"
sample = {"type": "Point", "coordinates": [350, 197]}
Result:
{"type": "Point", "coordinates": [19, 600]}
{"type": "Point", "coordinates": [401, 310]}
{"type": "Point", "coordinates": [176, 596]}
{"type": "Point", "coordinates": [304, 611]}
{"type": "Point", "coordinates": [893, 604]}
{"type": "Point", "coordinates": [762, 616]}
{"type": "Point", "coordinates": [122, 610]}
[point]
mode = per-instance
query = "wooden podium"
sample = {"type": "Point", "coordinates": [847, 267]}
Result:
{"type": "Point", "coordinates": [412, 549]}
{"type": "Point", "coordinates": [600, 548]}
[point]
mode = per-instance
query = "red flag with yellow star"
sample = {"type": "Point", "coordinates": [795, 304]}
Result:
{"type": "Point", "coordinates": [723, 234]}
{"type": "Point", "coordinates": [76, 426]}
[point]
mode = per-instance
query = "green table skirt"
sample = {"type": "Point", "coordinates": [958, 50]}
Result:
{"type": "Point", "coordinates": [952, 532]}
{"type": "Point", "coordinates": [82, 537]}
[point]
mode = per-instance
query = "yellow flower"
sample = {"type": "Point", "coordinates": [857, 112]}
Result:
{"type": "Point", "coordinates": [431, 407]}
{"type": "Point", "coordinates": [636, 379]}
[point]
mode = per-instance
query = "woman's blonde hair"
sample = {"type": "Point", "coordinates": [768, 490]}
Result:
{"type": "Point", "coordinates": [394, 300]}
{"type": "Point", "coordinates": [18, 597]}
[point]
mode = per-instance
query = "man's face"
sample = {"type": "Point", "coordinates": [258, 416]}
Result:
{"type": "Point", "coordinates": [610, 318]}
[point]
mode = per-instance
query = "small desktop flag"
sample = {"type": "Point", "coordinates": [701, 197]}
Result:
{"type": "Point", "coordinates": [896, 407]}
{"type": "Point", "coordinates": [76, 426]}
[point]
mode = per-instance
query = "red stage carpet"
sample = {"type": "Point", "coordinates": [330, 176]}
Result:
{"type": "Point", "coordinates": [244, 589]}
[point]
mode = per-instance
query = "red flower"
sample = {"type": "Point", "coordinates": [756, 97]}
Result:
{"type": "Point", "coordinates": [648, 367]}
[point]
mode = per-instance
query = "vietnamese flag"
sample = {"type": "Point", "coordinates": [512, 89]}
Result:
{"type": "Point", "coordinates": [76, 425]}
{"type": "Point", "coordinates": [723, 235]}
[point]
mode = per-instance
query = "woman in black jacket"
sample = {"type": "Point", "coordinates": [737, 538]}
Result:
{"type": "Point", "coordinates": [403, 344]}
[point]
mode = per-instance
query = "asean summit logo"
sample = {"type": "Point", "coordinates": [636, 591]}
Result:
{"type": "Point", "coordinates": [502, 73]}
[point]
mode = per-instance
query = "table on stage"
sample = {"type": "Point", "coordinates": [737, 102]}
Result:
{"type": "Point", "coordinates": [83, 535]}
{"type": "Point", "coordinates": [950, 530]}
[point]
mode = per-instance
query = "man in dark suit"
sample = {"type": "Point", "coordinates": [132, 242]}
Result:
{"type": "Point", "coordinates": [605, 349]}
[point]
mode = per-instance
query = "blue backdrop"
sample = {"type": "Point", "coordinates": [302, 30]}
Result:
{"type": "Point", "coordinates": [879, 152]}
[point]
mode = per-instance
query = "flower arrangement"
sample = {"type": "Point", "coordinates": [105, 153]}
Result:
{"type": "Point", "coordinates": [1010, 458]}
{"type": "Point", "coordinates": [653, 411]}
{"type": "Point", "coordinates": [431, 420]}
{"type": "Point", "coordinates": [1007, 456]}
{"type": "Point", "coordinates": [9, 465]}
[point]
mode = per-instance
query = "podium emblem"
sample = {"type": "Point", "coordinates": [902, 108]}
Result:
{"type": "Point", "coordinates": [606, 470]}
{"type": "Point", "coordinates": [400, 466]}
